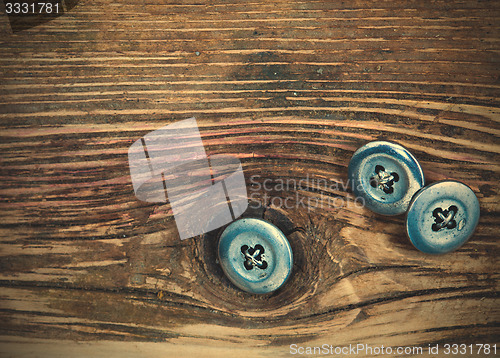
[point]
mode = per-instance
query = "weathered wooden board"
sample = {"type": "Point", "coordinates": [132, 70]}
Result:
{"type": "Point", "coordinates": [292, 88]}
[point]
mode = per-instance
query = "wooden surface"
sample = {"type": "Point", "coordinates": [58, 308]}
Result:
{"type": "Point", "coordinates": [292, 88]}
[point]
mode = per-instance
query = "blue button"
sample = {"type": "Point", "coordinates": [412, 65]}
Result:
{"type": "Point", "coordinates": [442, 217]}
{"type": "Point", "coordinates": [385, 176]}
{"type": "Point", "coordinates": [255, 255]}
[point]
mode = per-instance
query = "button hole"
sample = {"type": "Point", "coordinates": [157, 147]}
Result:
{"type": "Point", "coordinates": [253, 257]}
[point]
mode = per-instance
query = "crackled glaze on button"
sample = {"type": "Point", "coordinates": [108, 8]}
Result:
{"type": "Point", "coordinates": [255, 255]}
{"type": "Point", "coordinates": [442, 217]}
{"type": "Point", "coordinates": [385, 175]}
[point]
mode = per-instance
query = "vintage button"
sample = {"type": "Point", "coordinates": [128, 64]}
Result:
{"type": "Point", "coordinates": [385, 175]}
{"type": "Point", "coordinates": [255, 255]}
{"type": "Point", "coordinates": [442, 217]}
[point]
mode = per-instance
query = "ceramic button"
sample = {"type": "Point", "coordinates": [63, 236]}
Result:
{"type": "Point", "coordinates": [255, 255]}
{"type": "Point", "coordinates": [386, 176]}
{"type": "Point", "coordinates": [442, 217]}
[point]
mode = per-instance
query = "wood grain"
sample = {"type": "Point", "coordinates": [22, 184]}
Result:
{"type": "Point", "coordinates": [292, 88]}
